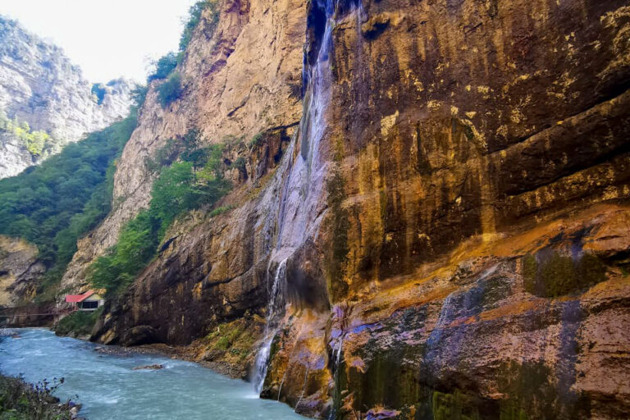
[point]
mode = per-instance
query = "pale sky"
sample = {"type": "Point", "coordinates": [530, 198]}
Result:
{"type": "Point", "coordinates": [106, 38]}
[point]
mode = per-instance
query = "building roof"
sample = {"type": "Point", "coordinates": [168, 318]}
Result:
{"type": "Point", "coordinates": [79, 298]}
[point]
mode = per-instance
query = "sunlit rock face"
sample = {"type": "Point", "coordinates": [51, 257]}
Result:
{"type": "Point", "coordinates": [241, 79]}
{"type": "Point", "coordinates": [447, 195]}
{"type": "Point", "coordinates": [40, 86]}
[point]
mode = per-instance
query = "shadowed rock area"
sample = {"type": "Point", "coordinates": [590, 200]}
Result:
{"type": "Point", "coordinates": [446, 184]}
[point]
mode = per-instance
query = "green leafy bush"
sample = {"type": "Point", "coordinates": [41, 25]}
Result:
{"type": "Point", "coordinates": [139, 94]}
{"type": "Point", "coordinates": [194, 17]}
{"type": "Point", "coordinates": [171, 90]}
{"type": "Point", "coordinates": [164, 67]}
{"type": "Point", "coordinates": [257, 140]}
{"type": "Point", "coordinates": [135, 248]}
{"type": "Point", "coordinates": [22, 401]}
{"type": "Point", "coordinates": [35, 142]}
{"type": "Point", "coordinates": [180, 187]}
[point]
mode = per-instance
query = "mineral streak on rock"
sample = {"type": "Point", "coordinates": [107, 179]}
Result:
{"type": "Point", "coordinates": [456, 234]}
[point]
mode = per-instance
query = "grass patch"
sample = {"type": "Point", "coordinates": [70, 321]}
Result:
{"type": "Point", "coordinates": [220, 210]}
{"type": "Point", "coordinates": [233, 342]}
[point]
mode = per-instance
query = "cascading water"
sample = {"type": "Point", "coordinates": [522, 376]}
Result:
{"type": "Point", "coordinates": [303, 199]}
{"type": "Point", "coordinates": [270, 328]}
{"type": "Point", "coordinates": [303, 194]}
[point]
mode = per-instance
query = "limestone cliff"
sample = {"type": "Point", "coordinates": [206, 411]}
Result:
{"type": "Point", "coordinates": [243, 80]}
{"type": "Point", "coordinates": [41, 87]}
{"type": "Point", "coordinates": [435, 224]}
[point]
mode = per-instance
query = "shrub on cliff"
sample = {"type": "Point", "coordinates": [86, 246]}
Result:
{"type": "Point", "coordinates": [171, 90]}
{"type": "Point", "coordinates": [186, 184]}
{"type": "Point", "coordinates": [194, 17]}
{"type": "Point", "coordinates": [164, 67]}
{"type": "Point", "coordinates": [36, 142]}
{"type": "Point", "coordinates": [78, 323]}
{"type": "Point", "coordinates": [551, 274]}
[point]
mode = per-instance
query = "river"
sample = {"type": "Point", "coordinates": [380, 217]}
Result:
{"type": "Point", "coordinates": [109, 388]}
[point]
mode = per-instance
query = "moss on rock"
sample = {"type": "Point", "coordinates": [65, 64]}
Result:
{"type": "Point", "coordinates": [554, 274]}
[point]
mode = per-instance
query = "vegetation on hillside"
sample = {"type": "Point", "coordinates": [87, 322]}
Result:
{"type": "Point", "coordinates": [163, 67]}
{"type": "Point", "coordinates": [52, 205]}
{"type": "Point", "coordinates": [36, 142]}
{"type": "Point", "coordinates": [189, 177]}
{"type": "Point", "coordinates": [194, 17]}
{"type": "Point", "coordinates": [80, 323]}
{"type": "Point", "coordinates": [171, 89]}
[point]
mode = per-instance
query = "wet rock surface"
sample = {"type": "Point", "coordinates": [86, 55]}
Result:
{"type": "Point", "coordinates": [451, 211]}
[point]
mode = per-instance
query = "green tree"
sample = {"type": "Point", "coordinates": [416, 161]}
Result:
{"type": "Point", "coordinates": [170, 90]}
{"type": "Point", "coordinates": [164, 67]}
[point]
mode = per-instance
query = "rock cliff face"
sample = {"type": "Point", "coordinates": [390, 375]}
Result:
{"type": "Point", "coordinates": [40, 86]}
{"type": "Point", "coordinates": [242, 81]}
{"type": "Point", "coordinates": [20, 271]}
{"type": "Point", "coordinates": [435, 224]}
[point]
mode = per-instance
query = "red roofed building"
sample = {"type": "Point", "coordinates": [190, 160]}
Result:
{"type": "Point", "coordinates": [88, 301]}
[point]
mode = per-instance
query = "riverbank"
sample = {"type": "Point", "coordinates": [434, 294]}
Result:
{"type": "Point", "coordinates": [20, 400]}
{"type": "Point", "coordinates": [125, 383]}
{"type": "Point", "coordinates": [229, 350]}
{"type": "Point", "coordinates": [232, 358]}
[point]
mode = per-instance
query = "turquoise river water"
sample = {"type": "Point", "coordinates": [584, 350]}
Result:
{"type": "Point", "coordinates": [109, 388]}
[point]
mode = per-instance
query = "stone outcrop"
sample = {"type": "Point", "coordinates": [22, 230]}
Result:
{"type": "Point", "coordinates": [450, 213]}
{"type": "Point", "coordinates": [20, 270]}
{"type": "Point", "coordinates": [40, 86]}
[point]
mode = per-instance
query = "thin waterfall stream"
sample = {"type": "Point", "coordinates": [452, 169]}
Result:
{"type": "Point", "coordinates": [262, 358]}
{"type": "Point", "coordinates": [304, 185]}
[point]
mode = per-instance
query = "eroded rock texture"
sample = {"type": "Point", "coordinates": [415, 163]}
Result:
{"type": "Point", "coordinates": [20, 270]}
{"type": "Point", "coordinates": [241, 79]}
{"type": "Point", "coordinates": [451, 211]}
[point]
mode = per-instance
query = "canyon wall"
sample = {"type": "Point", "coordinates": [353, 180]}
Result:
{"type": "Point", "coordinates": [437, 209]}
{"type": "Point", "coordinates": [41, 87]}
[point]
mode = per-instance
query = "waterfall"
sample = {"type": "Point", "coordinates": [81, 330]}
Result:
{"type": "Point", "coordinates": [339, 350]}
{"type": "Point", "coordinates": [303, 191]}
{"type": "Point", "coordinates": [270, 328]}
{"type": "Point", "coordinates": [302, 200]}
